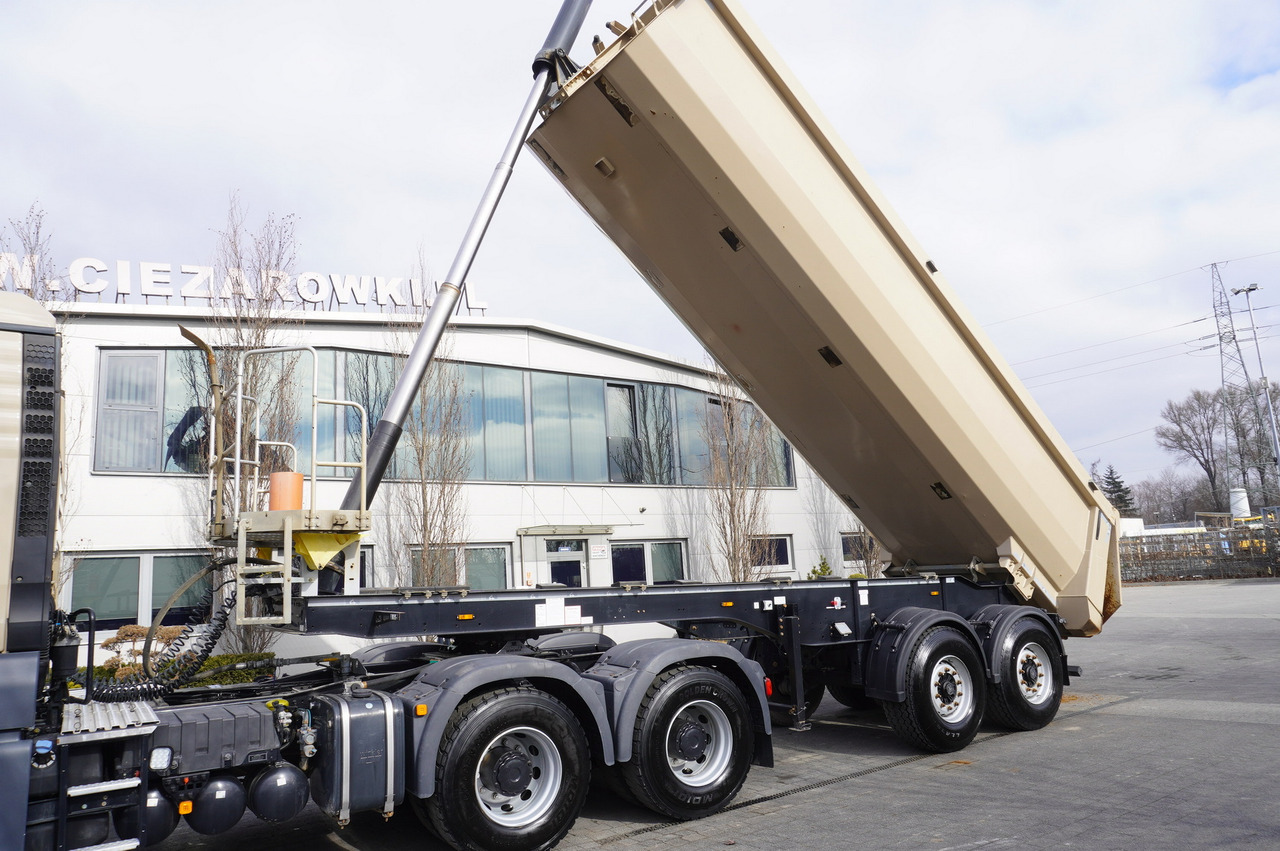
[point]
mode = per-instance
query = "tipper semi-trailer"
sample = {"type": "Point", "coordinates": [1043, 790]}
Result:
{"type": "Point", "coordinates": [488, 713]}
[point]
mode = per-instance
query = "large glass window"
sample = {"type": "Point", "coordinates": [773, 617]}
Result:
{"type": "Point", "coordinates": [775, 553]}
{"type": "Point", "coordinates": [168, 574]}
{"type": "Point", "coordinates": [495, 425]}
{"type": "Point", "coordinates": [647, 562]}
{"type": "Point", "coordinates": [153, 417]}
{"type": "Point", "coordinates": [486, 567]}
{"type": "Point", "coordinates": [152, 412]}
{"type": "Point", "coordinates": [109, 586]}
{"type": "Point", "coordinates": [640, 439]}
{"type": "Point", "coordinates": [114, 586]}
{"type": "Point", "coordinates": [568, 428]}
{"type": "Point", "coordinates": [691, 419]}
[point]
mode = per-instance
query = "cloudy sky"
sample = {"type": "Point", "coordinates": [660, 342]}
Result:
{"type": "Point", "coordinates": [1073, 168]}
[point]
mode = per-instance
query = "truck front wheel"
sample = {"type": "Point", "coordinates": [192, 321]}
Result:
{"type": "Point", "coordinates": [512, 772]}
{"type": "Point", "coordinates": [1030, 688]}
{"type": "Point", "coordinates": [692, 746]}
{"type": "Point", "coordinates": [946, 693]}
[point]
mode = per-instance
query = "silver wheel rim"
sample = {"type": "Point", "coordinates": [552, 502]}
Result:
{"type": "Point", "coordinates": [1034, 677]}
{"type": "Point", "coordinates": [705, 721]}
{"type": "Point", "coordinates": [546, 769]}
{"type": "Point", "coordinates": [950, 689]}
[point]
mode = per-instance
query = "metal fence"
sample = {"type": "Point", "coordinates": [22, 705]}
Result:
{"type": "Point", "coordinates": [1234, 553]}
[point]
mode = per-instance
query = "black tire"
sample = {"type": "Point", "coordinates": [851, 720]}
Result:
{"type": "Point", "coordinates": [946, 693]}
{"type": "Point", "coordinates": [853, 697]}
{"type": "Point", "coordinates": [692, 745]}
{"type": "Point", "coordinates": [1030, 689]}
{"type": "Point", "coordinates": [511, 774]}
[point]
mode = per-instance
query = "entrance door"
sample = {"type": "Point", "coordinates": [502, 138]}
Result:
{"type": "Point", "coordinates": [567, 560]}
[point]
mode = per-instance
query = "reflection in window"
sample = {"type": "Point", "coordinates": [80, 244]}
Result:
{"type": "Point", "coordinates": [568, 428]}
{"type": "Point", "coordinates": [110, 585]}
{"type": "Point", "coordinates": [152, 412]}
{"type": "Point", "coordinates": [668, 561]}
{"type": "Point", "coordinates": [152, 417]}
{"type": "Point", "coordinates": [621, 420]}
{"type": "Point", "coordinates": [775, 553]}
{"type": "Point", "coordinates": [367, 380]}
{"type": "Point", "coordinates": [640, 439]}
{"type": "Point", "coordinates": [486, 568]}
{"type": "Point", "coordinates": [186, 406]}
{"type": "Point", "coordinates": [695, 456]}
{"type": "Point", "coordinates": [496, 423]}
{"type": "Point", "coordinates": [168, 573]}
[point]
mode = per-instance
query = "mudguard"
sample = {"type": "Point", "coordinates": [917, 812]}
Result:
{"type": "Point", "coordinates": [444, 685]}
{"type": "Point", "coordinates": [626, 672]}
{"type": "Point", "coordinates": [993, 624]}
{"type": "Point", "coordinates": [891, 645]}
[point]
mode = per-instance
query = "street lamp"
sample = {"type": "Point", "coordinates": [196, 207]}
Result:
{"type": "Point", "coordinates": [1271, 414]}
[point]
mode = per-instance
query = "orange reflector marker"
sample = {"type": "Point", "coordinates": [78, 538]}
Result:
{"type": "Point", "coordinates": [727, 603]}
{"type": "Point", "coordinates": [466, 617]}
{"type": "Point", "coordinates": [420, 709]}
{"type": "Point", "coordinates": [768, 687]}
{"type": "Point", "coordinates": [185, 808]}
{"type": "Point", "coordinates": [934, 593]}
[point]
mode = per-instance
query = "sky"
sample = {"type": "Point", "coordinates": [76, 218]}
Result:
{"type": "Point", "coordinates": [1072, 168]}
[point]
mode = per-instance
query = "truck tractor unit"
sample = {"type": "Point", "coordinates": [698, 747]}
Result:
{"type": "Point", "coordinates": [489, 713]}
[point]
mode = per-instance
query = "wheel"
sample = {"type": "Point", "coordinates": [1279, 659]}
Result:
{"type": "Point", "coordinates": [946, 693]}
{"type": "Point", "coordinates": [512, 772]}
{"type": "Point", "coordinates": [854, 697]}
{"type": "Point", "coordinates": [1030, 688]}
{"type": "Point", "coordinates": [692, 745]}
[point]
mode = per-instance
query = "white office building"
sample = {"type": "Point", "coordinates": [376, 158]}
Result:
{"type": "Point", "coordinates": [550, 418]}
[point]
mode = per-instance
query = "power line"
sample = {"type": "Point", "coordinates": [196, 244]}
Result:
{"type": "Point", "coordinates": [1114, 439]}
{"type": "Point", "coordinates": [1126, 366]}
{"type": "Point", "coordinates": [1119, 357]}
{"type": "Point", "coordinates": [1190, 352]}
{"type": "Point", "coordinates": [1110, 342]}
{"type": "Point", "coordinates": [1122, 289]}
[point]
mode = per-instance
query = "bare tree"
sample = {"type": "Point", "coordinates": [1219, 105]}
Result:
{"type": "Point", "coordinates": [1249, 438]}
{"type": "Point", "coordinates": [28, 257]}
{"type": "Point", "coordinates": [866, 549]}
{"type": "Point", "coordinates": [1192, 435]}
{"type": "Point", "coordinates": [1171, 497]}
{"type": "Point", "coordinates": [826, 516]}
{"type": "Point", "coordinates": [740, 463]}
{"type": "Point", "coordinates": [250, 309]}
{"type": "Point", "coordinates": [439, 461]}
{"type": "Point", "coordinates": [434, 462]}
{"type": "Point", "coordinates": [648, 453]}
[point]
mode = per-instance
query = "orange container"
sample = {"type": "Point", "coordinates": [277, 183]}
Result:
{"type": "Point", "coordinates": [286, 491]}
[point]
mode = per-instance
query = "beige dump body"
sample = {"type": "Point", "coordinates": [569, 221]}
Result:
{"type": "Point", "coordinates": [690, 145]}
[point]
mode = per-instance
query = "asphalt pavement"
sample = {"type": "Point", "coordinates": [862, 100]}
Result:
{"type": "Point", "coordinates": [1170, 740]}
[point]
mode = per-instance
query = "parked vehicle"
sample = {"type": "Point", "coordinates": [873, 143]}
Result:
{"type": "Point", "coordinates": [693, 149]}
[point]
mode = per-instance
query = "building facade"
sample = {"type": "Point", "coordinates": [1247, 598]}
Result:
{"type": "Point", "coordinates": [585, 461]}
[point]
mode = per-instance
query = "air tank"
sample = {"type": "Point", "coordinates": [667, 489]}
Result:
{"type": "Point", "coordinates": [218, 806]}
{"type": "Point", "coordinates": [278, 793]}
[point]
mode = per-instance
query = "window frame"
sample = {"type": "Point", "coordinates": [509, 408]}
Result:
{"type": "Point", "coordinates": [102, 408]}
{"type": "Point", "coordinates": [647, 547]}
{"type": "Point", "coordinates": [144, 587]}
{"type": "Point", "coordinates": [460, 558]}
{"type": "Point", "coordinates": [771, 548]}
